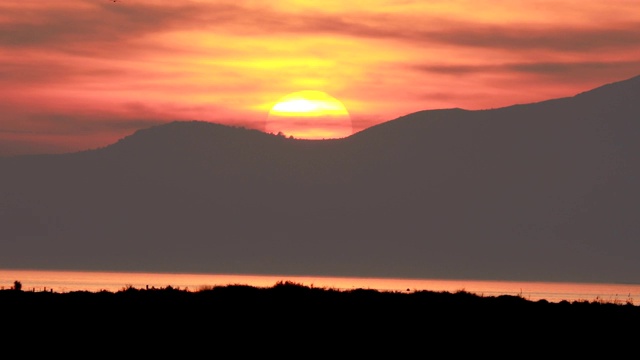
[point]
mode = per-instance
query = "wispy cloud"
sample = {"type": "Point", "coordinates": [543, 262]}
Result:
{"type": "Point", "coordinates": [541, 68]}
{"type": "Point", "coordinates": [57, 27]}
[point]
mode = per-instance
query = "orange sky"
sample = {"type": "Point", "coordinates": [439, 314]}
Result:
{"type": "Point", "coordinates": [81, 74]}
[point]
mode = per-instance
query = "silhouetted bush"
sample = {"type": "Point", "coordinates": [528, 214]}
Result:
{"type": "Point", "coordinates": [296, 306]}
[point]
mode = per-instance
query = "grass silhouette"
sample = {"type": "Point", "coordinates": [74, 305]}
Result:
{"type": "Point", "coordinates": [360, 321]}
{"type": "Point", "coordinates": [288, 295]}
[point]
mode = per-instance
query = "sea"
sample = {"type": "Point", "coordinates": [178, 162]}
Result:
{"type": "Point", "coordinates": [95, 281]}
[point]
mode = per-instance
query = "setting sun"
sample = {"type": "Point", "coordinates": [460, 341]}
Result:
{"type": "Point", "coordinates": [309, 114]}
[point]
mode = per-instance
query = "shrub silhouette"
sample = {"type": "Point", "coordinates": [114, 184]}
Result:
{"type": "Point", "coordinates": [17, 285]}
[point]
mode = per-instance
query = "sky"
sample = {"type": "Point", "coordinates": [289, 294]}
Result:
{"type": "Point", "coordinates": [82, 74]}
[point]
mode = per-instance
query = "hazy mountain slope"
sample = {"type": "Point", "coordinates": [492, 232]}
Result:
{"type": "Point", "coordinates": [543, 191]}
{"type": "Point", "coordinates": [545, 186]}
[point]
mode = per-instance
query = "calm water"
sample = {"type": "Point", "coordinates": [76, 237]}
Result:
{"type": "Point", "coordinates": [66, 281]}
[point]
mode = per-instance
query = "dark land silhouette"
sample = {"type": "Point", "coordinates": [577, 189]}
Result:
{"type": "Point", "coordinates": [359, 319]}
{"type": "Point", "coordinates": [545, 191]}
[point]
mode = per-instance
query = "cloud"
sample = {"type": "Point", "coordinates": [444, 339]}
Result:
{"type": "Point", "coordinates": [63, 25]}
{"type": "Point", "coordinates": [21, 71]}
{"type": "Point", "coordinates": [100, 24]}
{"type": "Point", "coordinates": [540, 68]}
{"type": "Point", "coordinates": [73, 124]}
{"type": "Point", "coordinates": [557, 38]}
{"type": "Point", "coordinates": [92, 21]}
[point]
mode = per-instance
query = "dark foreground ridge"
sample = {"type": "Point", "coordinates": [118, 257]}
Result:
{"type": "Point", "coordinates": [306, 307]}
{"type": "Point", "coordinates": [291, 320]}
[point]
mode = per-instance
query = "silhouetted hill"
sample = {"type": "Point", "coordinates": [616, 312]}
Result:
{"type": "Point", "coordinates": [325, 311]}
{"type": "Point", "coordinates": [541, 191]}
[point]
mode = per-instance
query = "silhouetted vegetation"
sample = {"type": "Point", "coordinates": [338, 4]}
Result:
{"type": "Point", "coordinates": [292, 319]}
{"type": "Point", "coordinates": [305, 307]}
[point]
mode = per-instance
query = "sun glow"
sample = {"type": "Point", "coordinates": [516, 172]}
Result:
{"type": "Point", "coordinates": [309, 114]}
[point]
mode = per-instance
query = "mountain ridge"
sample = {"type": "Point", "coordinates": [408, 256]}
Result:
{"type": "Point", "coordinates": [543, 191]}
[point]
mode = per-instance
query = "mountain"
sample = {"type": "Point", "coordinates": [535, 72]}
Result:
{"type": "Point", "coordinates": [544, 191]}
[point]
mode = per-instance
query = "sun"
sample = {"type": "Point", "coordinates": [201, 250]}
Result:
{"type": "Point", "coordinates": [309, 114]}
